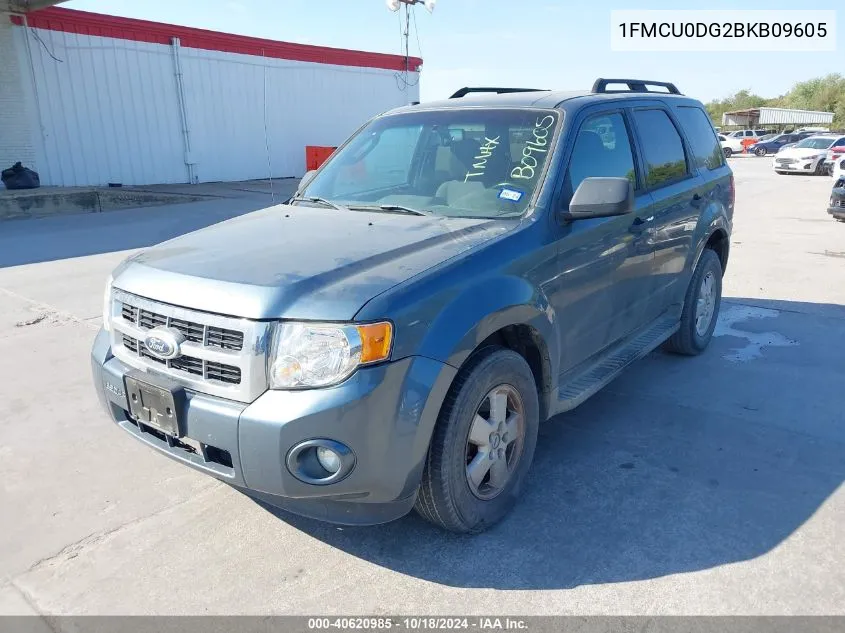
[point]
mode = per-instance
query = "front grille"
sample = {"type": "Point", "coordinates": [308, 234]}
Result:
{"type": "Point", "coordinates": [786, 161]}
{"type": "Point", "coordinates": [221, 355]}
{"type": "Point", "coordinates": [205, 335]}
{"type": "Point", "coordinates": [208, 335]}
{"type": "Point", "coordinates": [130, 343]}
{"type": "Point", "coordinates": [209, 370]}
{"type": "Point", "coordinates": [223, 373]}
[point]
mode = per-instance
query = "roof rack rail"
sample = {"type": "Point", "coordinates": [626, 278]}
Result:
{"type": "Point", "coordinates": [463, 92]}
{"type": "Point", "coordinates": [634, 85]}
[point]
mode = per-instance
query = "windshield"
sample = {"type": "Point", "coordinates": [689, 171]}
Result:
{"type": "Point", "coordinates": [816, 142]}
{"type": "Point", "coordinates": [479, 163]}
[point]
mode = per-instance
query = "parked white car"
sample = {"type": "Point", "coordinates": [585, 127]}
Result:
{"type": "Point", "coordinates": [807, 156]}
{"type": "Point", "coordinates": [730, 145]}
{"type": "Point", "coordinates": [747, 134]}
{"type": "Point", "coordinates": [834, 156]}
{"type": "Point", "coordinates": [838, 169]}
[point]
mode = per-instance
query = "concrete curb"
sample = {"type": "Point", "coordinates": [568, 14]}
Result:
{"type": "Point", "coordinates": [38, 203]}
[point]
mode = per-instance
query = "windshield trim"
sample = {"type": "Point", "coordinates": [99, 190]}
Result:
{"type": "Point", "coordinates": [530, 207]}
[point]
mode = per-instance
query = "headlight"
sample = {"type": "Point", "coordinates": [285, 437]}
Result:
{"type": "Point", "coordinates": [321, 354]}
{"type": "Point", "coordinates": [107, 304]}
{"type": "Point", "coordinates": [810, 157]}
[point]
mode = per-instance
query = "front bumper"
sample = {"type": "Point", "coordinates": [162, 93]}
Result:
{"type": "Point", "coordinates": [385, 414]}
{"type": "Point", "coordinates": [837, 203]}
{"type": "Point", "coordinates": [800, 167]}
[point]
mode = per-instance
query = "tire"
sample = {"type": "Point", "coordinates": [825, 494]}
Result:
{"type": "Point", "coordinates": [760, 151]}
{"type": "Point", "coordinates": [688, 340]}
{"type": "Point", "coordinates": [446, 496]}
{"type": "Point", "coordinates": [821, 170]}
{"type": "Point", "coordinates": [728, 152]}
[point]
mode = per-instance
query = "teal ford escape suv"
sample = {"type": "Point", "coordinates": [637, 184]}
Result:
{"type": "Point", "coordinates": [457, 273]}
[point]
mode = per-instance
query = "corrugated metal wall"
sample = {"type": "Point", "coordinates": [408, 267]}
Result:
{"type": "Point", "coordinates": [787, 116]}
{"type": "Point", "coordinates": [306, 104]}
{"type": "Point", "coordinates": [109, 110]}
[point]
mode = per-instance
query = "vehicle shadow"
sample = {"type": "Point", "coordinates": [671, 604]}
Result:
{"type": "Point", "coordinates": [680, 465]}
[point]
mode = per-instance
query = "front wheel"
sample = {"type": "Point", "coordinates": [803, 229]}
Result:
{"type": "Point", "coordinates": [728, 152]}
{"type": "Point", "coordinates": [483, 443]}
{"type": "Point", "coordinates": [821, 170]}
{"type": "Point", "coordinates": [701, 307]}
{"type": "Point", "coordinates": [760, 151]}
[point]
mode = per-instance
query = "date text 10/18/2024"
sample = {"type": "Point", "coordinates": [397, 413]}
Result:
{"type": "Point", "coordinates": [419, 623]}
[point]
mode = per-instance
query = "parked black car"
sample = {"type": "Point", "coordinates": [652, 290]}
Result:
{"type": "Point", "coordinates": [837, 200]}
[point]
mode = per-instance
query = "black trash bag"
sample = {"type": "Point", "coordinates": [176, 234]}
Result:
{"type": "Point", "coordinates": [19, 177]}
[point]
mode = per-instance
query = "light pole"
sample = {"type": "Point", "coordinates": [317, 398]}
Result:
{"type": "Point", "coordinates": [395, 5]}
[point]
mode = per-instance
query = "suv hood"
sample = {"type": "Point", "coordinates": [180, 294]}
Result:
{"type": "Point", "coordinates": [298, 262]}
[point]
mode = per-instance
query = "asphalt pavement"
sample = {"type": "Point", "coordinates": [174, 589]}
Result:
{"type": "Point", "coordinates": [707, 485]}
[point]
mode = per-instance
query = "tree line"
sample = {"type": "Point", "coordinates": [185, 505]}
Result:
{"type": "Point", "coordinates": [826, 94]}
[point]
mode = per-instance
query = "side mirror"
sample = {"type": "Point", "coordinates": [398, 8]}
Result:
{"type": "Point", "coordinates": [601, 198]}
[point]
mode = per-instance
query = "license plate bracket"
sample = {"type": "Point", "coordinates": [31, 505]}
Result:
{"type": "Point", "coordinates": [159, 406]}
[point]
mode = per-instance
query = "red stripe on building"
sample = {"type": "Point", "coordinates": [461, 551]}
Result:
{"type": "Point", "coordinates": [96, 24]}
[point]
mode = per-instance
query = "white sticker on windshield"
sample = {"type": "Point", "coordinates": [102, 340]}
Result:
{"type": "Point", "coordinates": [514, 195]}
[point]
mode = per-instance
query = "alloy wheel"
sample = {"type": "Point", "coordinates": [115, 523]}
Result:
{"type": "Point", "coordinates": [495, 442]}
{"type": "Point", "coordinates": [706, 304]}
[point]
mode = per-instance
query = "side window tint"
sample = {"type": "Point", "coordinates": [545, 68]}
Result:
{"type": "Point", "coordinates": [840, 143]}
{"type": "Point", "coordinates": [602, 149]}
{"type": "Point", "coordinates": [662, 147]}
{"type": "Point", "coordinates": [708, 153]}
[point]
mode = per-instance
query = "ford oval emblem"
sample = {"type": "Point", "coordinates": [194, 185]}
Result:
{"type": "Point", "coordinates": [164, 343]}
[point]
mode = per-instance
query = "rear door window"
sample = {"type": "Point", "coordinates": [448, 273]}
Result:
{"type": "Point", "coordinates": [708, 154]}
{"type": "Point", "coordinates": [663, 150]}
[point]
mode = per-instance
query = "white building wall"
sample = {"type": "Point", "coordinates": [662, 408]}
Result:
{"type": "Point", "coordinates": [17, 128]}
{"type": "Point", "coordinates": [110, 112]}
{"type": "Point", "coordinates": [306, 104]}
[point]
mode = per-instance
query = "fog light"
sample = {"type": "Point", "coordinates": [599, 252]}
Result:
{"type": "Point", "coordinates": [328, 459]}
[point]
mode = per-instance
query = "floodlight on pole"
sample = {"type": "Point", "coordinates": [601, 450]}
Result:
{"type": "Point", "coordinates": [394, 5]}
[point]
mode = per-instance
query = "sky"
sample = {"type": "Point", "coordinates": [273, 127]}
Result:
{"type": "Point", "coordinates": [561, 44]}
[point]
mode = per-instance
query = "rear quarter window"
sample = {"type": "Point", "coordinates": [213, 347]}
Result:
{"type": "Point", "coordinates": [705, 146]}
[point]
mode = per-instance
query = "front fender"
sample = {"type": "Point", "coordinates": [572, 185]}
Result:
{"type": "Point", "coordinates": [449, 330]}
{"type": "Point", "coordinates": [483, 309]}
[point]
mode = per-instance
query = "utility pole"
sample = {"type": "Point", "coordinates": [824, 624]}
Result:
{"type": "Point", "coordinates": [395, 5]}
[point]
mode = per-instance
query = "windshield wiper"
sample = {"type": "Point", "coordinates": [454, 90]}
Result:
{"type": "Point", "coordinates": [391, 207]}
{"type": "Point", "coordinates": [319, 200]}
